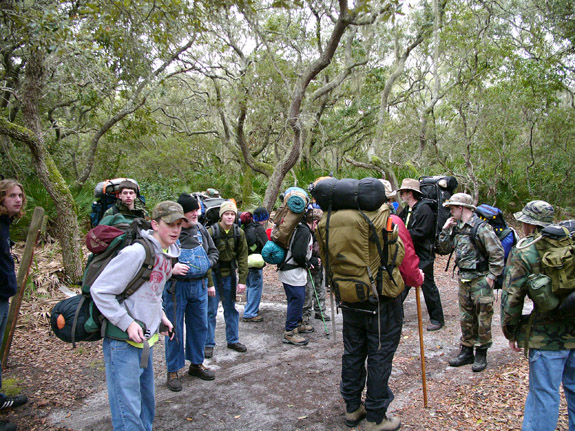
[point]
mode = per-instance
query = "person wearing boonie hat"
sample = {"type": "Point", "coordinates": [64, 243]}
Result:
{"type": "Point", "coordinates": [480, 260]}
{"type": "Point", "coordinates": [256, 238]}
{"type": "Point", "coordinates": [419, 219]}
{"type": "Point", "coordinates": [185, 297]}
{"type": "Point", "coordinates": [130, 382]}
{"type": "Point", "coordinates": [230, 240]}
{"type": "Point", "coordinates": [549, 337]}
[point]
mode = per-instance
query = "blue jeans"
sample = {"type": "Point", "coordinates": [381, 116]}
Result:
{"type": "Point", "coordinates": [130, 388]}
{"type": "Point", "coordinates": [255, 285]}
{"type": "Point", "coordinates": [191, 307]}
{"type": "Point", "coordinates": [231, 315]}
{"type": "Point", "coordinates": [547, 370]}
{"type": "Point", "coordinates": [4, 307]}
{"type": "Point", "coordinates": [295, 299]}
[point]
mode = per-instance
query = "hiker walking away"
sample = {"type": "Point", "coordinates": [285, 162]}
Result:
{"type": "Point", "coordinates": [186, 297]}
{"type": "Point", "coordinates": [129, 373]}
{"type": "Point", "coordinates": [293, 275]}
{"type": "Point", "coordinates": [256, 238]}
{"type": "Point", "coordinates": [128, 203]}
{"type": "Point", "coordinates": [314, 285]}
{"type": "Point", "coordinates": [12, 205]}
{"type": "Point", "coordinates": [233, 255]}
{"type": "Point", "coordinates": [479, 258]}
{"type": "Point", "coordinates": [419, 220]}
{"type": "Point", "coordinates": [549, 338]}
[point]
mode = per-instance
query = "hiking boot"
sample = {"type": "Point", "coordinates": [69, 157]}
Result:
{"type": "Point", "coordinates": [199, 370]}
{"type": "Point", "coordinates": [305, 328]}
{"type": "Point", "coordinates": [174, 383]}
{"type": "Point", "coordinates": [238, 347]}
{"type": "Point", "coordinates": [255, 319]}
{"type": "Point", "coordinates": [208, 352]}
{"type": "Point", "coordinates": [7, 426]}
{"type": "Point", "coordinates": [387, 424]}
{"type": "Point", "coordinates": [325, 317]}
{"type": "Point", "coordinates": [354, 418]}
{"type": "Point", "coordinates": [480, 360]}
{"type": "Point", "coordinates": [292, 337]}
{"type": "Point", "coordinates": [13, 402]}
{"type": "Point", "coordinates": [465, 357]}
{"type": "Point", "coordinates": [434, 326]}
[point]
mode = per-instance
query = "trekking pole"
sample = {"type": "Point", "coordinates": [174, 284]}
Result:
{"type": "Point", "coordinates": [318, 304]}
{"type": "Point", "coordinates": [421, 349]}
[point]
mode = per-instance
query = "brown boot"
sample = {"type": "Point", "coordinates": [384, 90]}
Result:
{"type": "Point", "coordinates": [292, 337]}
{"type": "Point", "coordinates": [387, 424]}
{"type": "Point", "coordinates": [174, 383]}
{"type": "Point", "coordinates": [354, 418]}
{"type": "Point", "coordinates": [199, 370]}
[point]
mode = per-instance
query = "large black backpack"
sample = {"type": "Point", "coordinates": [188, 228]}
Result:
{"type": "Point", "coordinates": [435, 191]}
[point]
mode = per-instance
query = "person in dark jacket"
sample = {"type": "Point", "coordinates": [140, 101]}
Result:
{"type": "Point", "coordinates": [12, 204]}
{"type": "Point", "coordinates": [128, 202]}
{"type": "Point", "coordinates": [419, 220]}
{"type": "Point", "coordinates": [188, 294]}
{"type": "Point", "coordinates": [256, 238]}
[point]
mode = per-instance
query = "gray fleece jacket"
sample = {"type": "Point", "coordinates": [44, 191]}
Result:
{"type": "Point", "coordinates": [145, 304]}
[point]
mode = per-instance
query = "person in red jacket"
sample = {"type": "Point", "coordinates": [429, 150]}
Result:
{"type": "Point", "coordinates": [409, 268]}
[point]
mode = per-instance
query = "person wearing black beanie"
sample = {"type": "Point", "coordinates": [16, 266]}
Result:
{"type": "Point", "coordinates": [261, 214]}
{"type": "Point", "coordinates": [188, 202]}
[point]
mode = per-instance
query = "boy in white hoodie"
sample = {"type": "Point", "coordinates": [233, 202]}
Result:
{"type": "Point", "coordinates": [129, 374]}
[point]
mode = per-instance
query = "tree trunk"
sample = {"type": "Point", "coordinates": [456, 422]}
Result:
{"type": "Point", "coordinates": [67, 230]}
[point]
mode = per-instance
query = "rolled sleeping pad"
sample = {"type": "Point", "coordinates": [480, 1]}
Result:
{"type": "Point", "coordinates": [273, 253]}
{"type": "Point", "coordinates": [349, 193]}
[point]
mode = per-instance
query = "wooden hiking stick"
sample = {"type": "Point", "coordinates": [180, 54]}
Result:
{"type": "Point", "coordinates": [421, 349]}
{"type": "Point", "coordinates": [21, 278]}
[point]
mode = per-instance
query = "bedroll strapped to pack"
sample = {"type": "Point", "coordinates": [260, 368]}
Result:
{"type": "Point", "coordinates": [288, 216]}
{"type": "Point", "coordinates": [106, 194]}
{"type": "Point", "coordinates": [368, 194]}
{"type": "Point", "coordinates": [77, 318]}
{"type": "Point", "coordinates": [362, 253]}
{"type": "Point", "coordinates": [210, 207]}
{"type": "Point", "coordinates": [435, 190]}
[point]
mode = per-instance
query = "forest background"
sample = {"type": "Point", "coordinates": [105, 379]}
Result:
{"type": "Point", "coordinates": [250, 97]}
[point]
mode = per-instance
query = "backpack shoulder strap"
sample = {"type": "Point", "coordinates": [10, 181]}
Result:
{"type": "Point", "coordinates": [237, 236]}
{"type": "Point", "coordinates": [145, 270]}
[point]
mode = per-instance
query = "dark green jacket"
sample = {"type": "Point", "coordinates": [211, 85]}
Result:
{"type": "Point", "coordinates": [139, 210]}
{"type": "Point", "coordinates": [231, 255]}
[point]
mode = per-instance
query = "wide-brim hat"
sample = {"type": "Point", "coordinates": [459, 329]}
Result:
{"type": "Point", "coordinates": [389, 192]}
{"type": "Point", "coordinates": [538, 213]}
{"type": "Point", "coordinates": [410, 184]}
{"type": "Point", "coordinates": [460, 200]}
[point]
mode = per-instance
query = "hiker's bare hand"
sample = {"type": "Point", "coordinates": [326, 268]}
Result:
{"type": "Point", "coordinates": [135, 332]}
{"type": "Point", "coordinates": [170, 331]}
{"type": "Point", "coordinates": [449, 223]}
{"type": "Point", "coordinates": [212, 291]}
{"type": "Point", "coordinates": [241, 288]}
{"type": "Point", "coordinates": [490, 282]}
{"type": "Point", "coordinates": [180, 269]}
{"type": "Point", "coordinates": [513, 346]}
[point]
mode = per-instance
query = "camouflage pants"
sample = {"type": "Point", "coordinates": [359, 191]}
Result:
{"type": "Point", "coordinates": [476, 311]}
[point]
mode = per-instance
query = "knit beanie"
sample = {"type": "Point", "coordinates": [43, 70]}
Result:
{"type": "Point", "coordinates": [261, 214]}
{"type": "Point", "coordinates": [227, 206]}
{"type": "Point", "coordinates": [188, 202]}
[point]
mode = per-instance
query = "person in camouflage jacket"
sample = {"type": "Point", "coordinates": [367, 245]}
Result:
{"type": "Point", "coordinates": [550, 340]}
{"type": "Point", "coordinates": [480, 259]}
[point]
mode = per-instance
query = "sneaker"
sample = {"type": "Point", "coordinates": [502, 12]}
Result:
{"type": "Point", "coordinates": [238, 347]}
{"type": "Point", "coordinates": [292, 337]}
{"type": "Point", "coordinates": [325, 317]}
{"type": "Point", "coordinates": [13, 402]}
{"type": "Point", "coordinates": [354, 418]}
{"type": "Point", "coordinates": [208, 352]}
{"type": "Point", "coordinates": [305, 328]}
{"type": "Point", "coordinates": [174, 383]}
{"type": "Point", "coordinates": [255, 319]}
{"type": "Point", "coordinates": [199, 370]}
{"type": "Point", "coordinates": [387, 424]}
{"type": "Point", "coordinates": [7, 426]}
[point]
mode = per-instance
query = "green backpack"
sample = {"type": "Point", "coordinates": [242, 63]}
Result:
{"type": "Point", "coordinates": [362, 253]}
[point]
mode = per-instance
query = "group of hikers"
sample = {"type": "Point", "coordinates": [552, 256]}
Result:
{"type": "Point", "coordinates": [196, 267]}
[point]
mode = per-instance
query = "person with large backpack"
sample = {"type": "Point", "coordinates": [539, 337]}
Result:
{"type": "Point", "coordinates": [186, 298]}
{"type": "Point", "coordinates": [420, 222]}
{"type": "Point", "coordinates": [256, 237]}
{"type": "Point", "coordinates": [549, 337]}
{"type": "Point", "coordinates": [230, 240]}
{"type": "Point", "coordinates": [12, 205]}
{"type": "Point", "coordinates": [480, 262]}
{"type": "Point", "coordinates": [128, 203]}
{"type": "Point", "coordinates": [129, 369]}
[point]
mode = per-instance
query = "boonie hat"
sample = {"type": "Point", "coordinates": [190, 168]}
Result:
{"type": "Point", "coordinates": [538, 213]}
{"type": "Point", "coordinates": [389, 192]}
{"type": "Point", "coordinates": [410, 184]}
{"type": "Point", "coordinates": [228, 206]}
{"type": "Point", "coordinates": [168, 211]}
{"type": "Point", "coordinates": [460, 200]}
